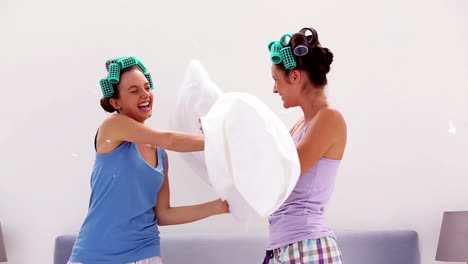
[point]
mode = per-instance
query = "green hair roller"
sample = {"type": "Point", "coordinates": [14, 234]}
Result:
{"type": "Point", "coordinates": [281, 52]}
{"type": "Point", "coordinates": [276, 56]}
{"type": "Point", "coordinates": [285, 39]}
{"type": "Point", "coordinates": [271, 44]}
{"type": "Point", "coordinates": [114, 73]}
{"type": "Point", "coordinates": [128, 61]}
{"type": "Point", "coordinates": [288, 59]}
{"type": "Point", "coordinates": [107, 89]}
{"type": "Point", "coordinates": [115, 68]}
{"type": "Point", "coordinates": [150, 80]}
{"type": "Point", "coordinates": [142, 67]}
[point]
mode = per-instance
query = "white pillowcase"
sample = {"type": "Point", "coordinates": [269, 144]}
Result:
{"type": "Point", "coordinates": [249, 154]}
{"type": "Point", "coordinates": [251, 160]}
{"type": "Point", "coordinates": [195, 98]}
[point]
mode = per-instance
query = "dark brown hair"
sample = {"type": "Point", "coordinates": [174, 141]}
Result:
{"type": "Point", "coordinates": [317, 60]}
{"type": "Point", "coordinates": [105, 102]}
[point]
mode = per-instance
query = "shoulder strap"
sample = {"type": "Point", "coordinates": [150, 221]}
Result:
{"type": "Point", "coordinates": [294, 129]}
{"type": "Point", "coordinates": [162, 152]}
{"type": "Point", "coordinates": [95, 140]}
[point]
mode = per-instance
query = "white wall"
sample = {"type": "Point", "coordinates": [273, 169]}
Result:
{"type": "Point", "coordinates": [399, 77]}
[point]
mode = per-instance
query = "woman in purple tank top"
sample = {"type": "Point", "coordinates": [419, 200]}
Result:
{"type": "Point", "coordinates": [298, 233]}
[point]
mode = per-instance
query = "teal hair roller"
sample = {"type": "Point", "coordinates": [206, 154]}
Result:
{"type": "Point", "coordinates": [285, 39]}
{"type": "Point", "coordinates": [288, 59]}
{"type": "Point", "coordinates": [107, 89]}
{"type": "Point", "coordinates": [150, 80]}
{"type": "Point", "coordinates": [128, 61]}
{"type": "Point", "coordinates": [276, 56]}
{"type": "Point", "coordinates": [114, 73]}
{"type": "Point", "coordinates": [271, 44]}
{"type": "Point", "coordinates": [115, 68]}
{"type": "Point", "coordinates": [281, 52]}
{"type": "Point", "coordinates": [142, 67]}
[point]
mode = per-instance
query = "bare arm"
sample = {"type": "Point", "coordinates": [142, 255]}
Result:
{"type": "Point", "coordinates": [119, 128]}
{"type": "Point", "coordinates": [325, 136]}
{"type": "Point", "coordinates": [168, 215]}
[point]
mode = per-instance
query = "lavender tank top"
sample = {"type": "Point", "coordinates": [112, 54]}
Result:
{"type": "Point", "coordinates": [301, 215]}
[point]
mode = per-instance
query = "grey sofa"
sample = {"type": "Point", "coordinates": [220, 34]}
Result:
{"type": "Point", "coordinates": [371, 247]}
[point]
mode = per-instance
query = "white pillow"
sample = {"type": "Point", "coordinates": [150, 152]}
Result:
{"type": "Point", "coordinates": [250, 155]}
{"type": "Point", "coordinates": [251, 160]}
{"type": "Point", "coordinates": [195, 98]}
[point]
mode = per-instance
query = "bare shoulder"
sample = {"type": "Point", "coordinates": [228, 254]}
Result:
{"type": "Point", "coordinates": [330, 115]}
{"type": "Point", "coordinates": [330, 112]}
{"type": "Point", "coordinates": [106, 140]}
{"type": "Point", "coordinates": [331, 121]}
{"type": "Point", "coordinates": [118, 123]}
{"type": "Point", "coordinates": [333, 129]}
{"type": "Point", "coordinates": [113, 120]}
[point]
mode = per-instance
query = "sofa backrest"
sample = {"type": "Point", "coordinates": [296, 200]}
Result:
{"type": "Point", "coordinates": [364, 247]}
{"type": "Point", "coordinates": [379, 247]}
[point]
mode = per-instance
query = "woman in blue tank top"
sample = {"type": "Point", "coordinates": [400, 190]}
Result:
{"type": "Point", "coordinates": [298, 233]}
{"type": "Point", "coordinates": [129, 181]}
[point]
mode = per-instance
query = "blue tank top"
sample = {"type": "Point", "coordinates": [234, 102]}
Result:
{"type": "Point", "coordinates": [301, 215]}
{"type": "Point", "coordinates": [121, 225]}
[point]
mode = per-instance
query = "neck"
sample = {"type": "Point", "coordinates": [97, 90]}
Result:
{"type": "Point", "coordinates": [313, 103]}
